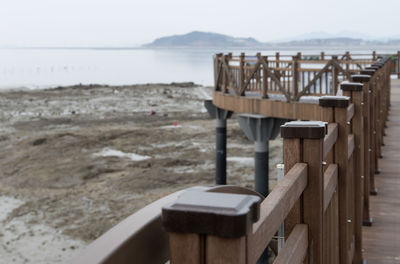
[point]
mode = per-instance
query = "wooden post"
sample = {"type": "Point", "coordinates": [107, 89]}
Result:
{"type": "Point", "coordinates": [335, 76]}
{"type": "Point", "coordinates": [226, 76]}
{"type": "Point", "coordinates": [355, 92]}
{"type": "Point", "coordinates": [292, 154]}
{"type": "Point", "coordinates": [308, 139]}
{"type": "Point", "coordinates": [241, 73]}
{"type": "Point", "coordinates": [398, 65]}
{"type": "Point", "coordinates": [258, 73]}
{"type": "Point", "coordinates": [347, 62]}
{"type": "Point", "coordinates": [322, 55]}
{"type": "Point", "coordinates": [277, 59]}
{"type": "Point", "coordinates": [218, 71]}
{"type": "Point", "coordinates": [340, 104]}
{"type": "Point", "coordinates": [374, 55]}
{"type": "Point", "coordinates": [364, 79]}
{"type": "Point", "coordinates": [265, 77]}
{"type": "Point", "coordinates": [206, 227]}
{"type": "Point", "coordinates": [295, 74]}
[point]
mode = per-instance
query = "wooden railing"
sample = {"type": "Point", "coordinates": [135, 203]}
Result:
{"type": "Point", "coordinates": [323, 199]}
{"type": "Point", "coordinates": [291, 77]}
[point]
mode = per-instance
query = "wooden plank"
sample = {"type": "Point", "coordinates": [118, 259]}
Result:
{"type": "Point", "coordinates": [367, 146]}
{"type": "Point", "coordinates": [292, 155]}
{"type": "Point", "coordinates": [373, 118]}
{"type": "Point", "coordinates": [186, 248]}
{"type": "Point", "coordinates": [350, 147]}
{"type": "Point", "coordinates": [330, 183]}
{"type": "Point", "coordinates": [350, 112]}
{"type": "Point", "coordinates": [267, 107]}
{"type": "Point", "coordinates": [295, 248]}
{"type": "Point", "coordinates": [357, 129]}
{"type": "Point", "coordinates": [330, 138]}
{"type": "Point", "coordinates": [313, 197]}
{"type": "Point", "coordinates": [341, 159]}
{"type": "Point", "coordinates": [274, 209]}
{"type": "Point", "coordinates": [225, 250]}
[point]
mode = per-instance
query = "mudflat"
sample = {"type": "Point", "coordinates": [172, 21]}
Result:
{"type": "Point", "coordinates": [75, 161]}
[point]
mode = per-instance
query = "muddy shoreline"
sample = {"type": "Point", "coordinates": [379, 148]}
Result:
{"type": "Point", "coordinates": [72, 166]}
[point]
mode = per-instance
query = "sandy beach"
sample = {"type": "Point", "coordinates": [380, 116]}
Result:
{"type": "Point", "coordinates": [75, 161]}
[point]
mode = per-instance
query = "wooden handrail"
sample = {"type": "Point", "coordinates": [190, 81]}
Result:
{"type": "Point", "coordinates": [274, 209]}
{"type": "Point", "coordinates": [295, 249]}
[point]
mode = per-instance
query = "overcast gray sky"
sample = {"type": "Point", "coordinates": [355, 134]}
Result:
{"type": "Point", "coordinates": [133, 22]}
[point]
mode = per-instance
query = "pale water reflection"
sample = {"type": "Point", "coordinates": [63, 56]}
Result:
{"type": "Point", "coordinates": [38, 68]}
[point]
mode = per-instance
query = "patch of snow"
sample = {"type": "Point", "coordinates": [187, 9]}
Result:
{"type": "Point", "coordinates": [7, 204]}
{"type": "Point", "coordinates": [107, 152]}
{"type": "Point", "coordinates": [172, 126]}
{"type": "Point", "coordinates": [242, 160]}
{"type": "Point", "coordinates": [203, 94]}
{"type": "Point", "coordinates": [34, 242]}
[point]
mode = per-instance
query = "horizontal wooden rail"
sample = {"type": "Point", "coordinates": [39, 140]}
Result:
{"type": "Point", "coordinates": [295, 249]}
{"type": "Point", "coordinates": [330, 138]}
{"type": "Point", "coordinates": [275, 208]}
{"type": "Point", "coordinates": [330, 183]}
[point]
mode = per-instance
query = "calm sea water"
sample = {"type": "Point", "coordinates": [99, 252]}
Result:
{"type": "Point", "coordinates": [42, 68]}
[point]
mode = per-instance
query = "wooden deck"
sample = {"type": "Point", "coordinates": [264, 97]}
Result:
{"type": "Point", "coordinates": [381, 241]}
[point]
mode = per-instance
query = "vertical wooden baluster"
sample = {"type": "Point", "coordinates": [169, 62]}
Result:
{"type": "Point", "coordinates": [295, 75]}
{"type": "Point", "coordinates": [347, 62]}
{"type": "Point", "coordinates": [310, 150]}
{"type": "Point", "coordinates": [265, 77]}
{"type": "Point", "coordinates": [258, 74]}
{"type": "Point", "coordinates": [241, 73]}
{"type": "Point", "coordinates": [367, 220]}
{"type": "Point", "coordinates": [398, 65]}
{"type": "Point", "coordinates": [340, 105]}
{"type": "Point", "coordinates": [355, 92]}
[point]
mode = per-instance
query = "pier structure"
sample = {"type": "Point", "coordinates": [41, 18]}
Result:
{"type": "Point", "coordinates": [338, 199]}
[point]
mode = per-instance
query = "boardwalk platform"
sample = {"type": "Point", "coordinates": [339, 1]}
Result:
{"type": "Point", "coordinates": [382, 239]}
{"type": "Point", "coordinates": [330, 162]}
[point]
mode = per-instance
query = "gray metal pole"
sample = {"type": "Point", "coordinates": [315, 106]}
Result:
{"type": "Point", "coordinates": [220, 153]}
{"type": "Point", "coordinates": [261, 156]}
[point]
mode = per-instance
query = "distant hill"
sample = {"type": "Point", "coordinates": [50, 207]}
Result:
{"type": "Point", "coordinates": [203, 39]}
{"type": "Point", "coordinates": [198, 39]}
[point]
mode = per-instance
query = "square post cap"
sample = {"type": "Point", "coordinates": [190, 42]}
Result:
{"type": "Point", "coordinates": [351, 86]}
{"type": "Point", "coordinates": [304, 129]}
{"type": "Point", "coordinates": [377, 64]}
{"type": "Point", "coordinates": [368, 72]}
{"type": "Point", "coordinates": [360, 78]}
{"type": "Point", "coordinates": [334, 101]}
{"type": "Point", "coordinates": [372, 68]}
{"type": "Point", "coordinates": [218, 214]}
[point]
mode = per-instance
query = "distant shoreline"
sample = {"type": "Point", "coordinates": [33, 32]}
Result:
{"type": "Point", "coordinates": [96, 85]}
{"type": "Point", "coordinates": [217, 48]}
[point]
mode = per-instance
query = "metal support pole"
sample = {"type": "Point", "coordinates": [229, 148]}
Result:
{"type": "Point", "coordinates": [220, 116]}
{"type": "Point", "coordinates": [261, 156]}
{"type": "Point", "coordinates": [220, 152]}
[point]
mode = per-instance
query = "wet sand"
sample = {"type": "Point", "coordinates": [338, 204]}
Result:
{"type": "Point", "coordinates": [74, 161]}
